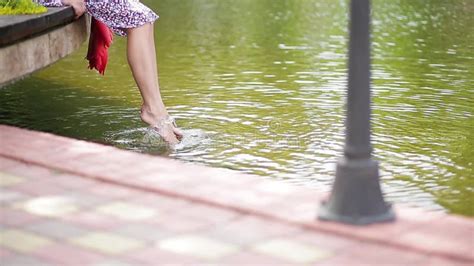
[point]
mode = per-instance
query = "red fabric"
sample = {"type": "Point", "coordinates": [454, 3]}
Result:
{"type": "Point", "coordinates": [99, 42]}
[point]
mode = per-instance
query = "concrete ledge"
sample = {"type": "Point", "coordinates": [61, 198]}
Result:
{"type": "Point", "coordinates": [16, 28]}
{"type": "Point", "coordinates": [32, 43]}
{"type": "Point", "coordinates": [430, 235]}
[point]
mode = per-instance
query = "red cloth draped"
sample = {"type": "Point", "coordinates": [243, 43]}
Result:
{"type": "Point", "coordinates": [100, 40]}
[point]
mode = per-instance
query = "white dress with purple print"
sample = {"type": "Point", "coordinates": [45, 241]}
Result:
{"type": "Point", "coordinates": [118, 15]}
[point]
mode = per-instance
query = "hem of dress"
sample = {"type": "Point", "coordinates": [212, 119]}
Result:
{"type": "Point", "coordinates": [120, 31]}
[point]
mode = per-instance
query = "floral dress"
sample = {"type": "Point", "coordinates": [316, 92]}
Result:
{"type": "Point", "coordinates": [118, 15]}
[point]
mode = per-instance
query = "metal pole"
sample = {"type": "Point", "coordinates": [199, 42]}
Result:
{"type": "Point", "coordinates": [356, 196]}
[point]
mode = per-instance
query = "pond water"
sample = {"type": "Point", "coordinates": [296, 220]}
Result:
{"type": "Point", "coordinates": [259, 87]}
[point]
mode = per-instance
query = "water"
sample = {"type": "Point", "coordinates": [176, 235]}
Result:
{"type": "Point", "coordinates": [259, 87]}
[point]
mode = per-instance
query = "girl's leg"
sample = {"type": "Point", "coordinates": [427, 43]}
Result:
{"type": "Point", "coordinates": [142, 60]}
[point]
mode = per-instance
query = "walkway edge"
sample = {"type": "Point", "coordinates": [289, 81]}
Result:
{"type": "Point", "coordinates": [433, 234]}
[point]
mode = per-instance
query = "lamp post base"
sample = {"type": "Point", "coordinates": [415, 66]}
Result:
{"type": "Point", "coordinates": [356, 197]}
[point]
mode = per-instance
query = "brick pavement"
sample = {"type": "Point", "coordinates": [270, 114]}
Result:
{"type": "Point", "coordinates": [70, 202]}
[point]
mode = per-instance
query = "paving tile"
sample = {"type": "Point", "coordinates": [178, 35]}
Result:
{"type": "Point", "coordinates": [22, 241]}
{"type": "Point", "coordinates": [416, 215]}
{"type": "Point", "coordinates": [380, 232]}
{"type": "Point", "coordinates": [7, 180]}
{"type": "Point", "coordinates": [253, 259]}
{"type": "Point", "coordinates": [373, 254]}
{"type": "Point", "coordinates": [128, 173]}
{"type": "Point", "coordinates": [112, 262]}
{"type": "Point", "coordinates": [39, 188]}
{"type": "Point", "coordinates": [161, 203]}
{"type": "Point", "coordinates": [143, 232]}
{"type": "Point", "coordinates": [162, 171]}
{"type": "Point", "coordinates": [92, 221]}
{"type": "Point", "coordinates": [77, 165]}
{"type": "Point", "coordinates": [292, 251]}
{"type": "Point", "coordinates": [436, 243]}
{"type": "Point", "coordinates": [4, 252]}
{"type": "Point", "coordinates": [154, 255]}
{"type": "Point", "coordinates": [112, 162]}
{"type": "Point", "coordinates": [294, 209]}
{"type": "Point", "coordinates": [9, 196]}
{"type": "Point", "coordinates": [11, 217]}
{"type": "Point", "coordinates": [251, 199]}
{"type": "Point", "coordinates": [6, 163]}
{"type": "Point", "coordinates": [113, 191]}
{"type": "Point", "coordinates": [461, 230]}
{"type": "Point", "coordinates": [276, 188]}
{"type": "Point", "coordinates": [87, 200]}
{"type": "Point", "coordinates": [215, 192]}
{"type": "Point", "coordinates": [211, 214]}
{"type": "Point", "coordinates": [59, 151]}
{"type": "Point", "coordinates": [23, 260]}
{"type": "Point", "coordinates": [455, 235]}
{"type": "Point", "coordinates": [51, 206]}
{"type": "Point", "coordinates": [437, 261]}
{"type": "Point", "coordinates": [108, 243]}
{"type": "Point", "coordinates": [248, 230]}
{"type": "Point", "coordinates": [198, 246]}
{"type": "Point", "coordinates": [179, 224]}
{"type": "Point", "coordinates": [127, 211]}
{"type": "Point", "coordinates": [330, 242]}
{"type": "Point", "coordinates": [30, 171]}
{"type": "Point", "coordinates": [64, 254]}
{"type": "Point", "coordinates": [87, 149]}
{"type": "Point", "coordinates": [159, 184]}
{"type": "Point", "coordinates": [73, 182]}
{"type": "Point", "coordinates": [56, 229]}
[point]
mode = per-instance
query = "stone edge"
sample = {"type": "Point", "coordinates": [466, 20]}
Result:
{"type": "Point", "coordinates": [25, 26]}
{"type": "Point", "coordinates": [69, 159]}
{"type": "Point", "coordinates": [29, 55]}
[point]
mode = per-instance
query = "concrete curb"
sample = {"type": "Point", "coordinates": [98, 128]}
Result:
{"type": "Point", "coordinates": [431, 234]}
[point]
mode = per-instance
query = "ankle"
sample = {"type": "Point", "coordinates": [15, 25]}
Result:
{"type": "Point", "coordinates": [158, 109]}
{"type": "Point", "coordinates": [152, 115]}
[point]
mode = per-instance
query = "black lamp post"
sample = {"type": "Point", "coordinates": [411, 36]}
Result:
{"type": "Point", "coordinates": [356, 196]}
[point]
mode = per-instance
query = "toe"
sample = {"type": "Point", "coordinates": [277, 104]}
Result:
{"type": "Point", "coordinates": [178, 133]}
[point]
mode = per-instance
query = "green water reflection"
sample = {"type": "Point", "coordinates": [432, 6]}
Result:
{"type": "Point", "coordinates": [260, 84]}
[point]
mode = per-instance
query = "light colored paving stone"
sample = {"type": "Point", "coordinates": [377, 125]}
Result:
{"type": "Point", "coordinates": [22, 241]}
{"type": "Point", "coordinates": [66, 254]}
{"type": "Point", "coordinates": [198, 246]}
{"type": "Point", "coordinates": [56, 229]}
{"type": "Point", "coordinates": [23, 260]}
{"type": "Point", "coordinates": [107, 243]}
{"type": "Point", "coordinates": [9, 180]}
{"type": "Point", "coordinates": [291, 251]}
{"type": "Point", "coordinates": [93, 221]}
{"type": "Point", "coordinates": [275, 188]}
{"type": "Point", "coordinates": [14, 218]}
{"type": "Point", "coordinates": [141, 231]}
{"type": "Point", "coordinates": [113, 263]}
{"type": "Point", "coordinates": [126, 211]}
{"type": "Point", "coordinates": [9, 196]}
{"type": "Point", "coordinates": [52, 206]}
{"type": "Point", "coordinates": [5, 253]}
{"type": "Point", "coordinates": [248, 230]}
{"type": "Point", "coordinates": [87, 200]}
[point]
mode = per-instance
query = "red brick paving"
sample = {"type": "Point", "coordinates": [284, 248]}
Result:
{"type": "Point", "coordinates": [195, 214]}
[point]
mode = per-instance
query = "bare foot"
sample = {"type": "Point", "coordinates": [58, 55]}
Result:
{"type": "Point", "coordinates": [163, 124]}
